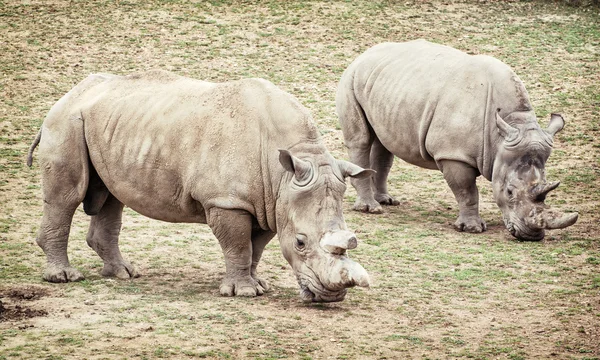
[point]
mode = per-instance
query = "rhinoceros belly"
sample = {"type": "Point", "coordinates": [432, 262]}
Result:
{"type": "Point", "coordinates": [142, 155]}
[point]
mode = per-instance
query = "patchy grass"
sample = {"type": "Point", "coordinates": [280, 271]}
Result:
{"type": "Point", "coordinates": [436, 293]}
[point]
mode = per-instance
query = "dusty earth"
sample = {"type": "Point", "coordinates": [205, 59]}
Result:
{"type": "Point", "coordinates": [436, 293]}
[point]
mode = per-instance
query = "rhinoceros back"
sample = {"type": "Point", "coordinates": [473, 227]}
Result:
{"type": "Point", "coordinates": [429, 102]}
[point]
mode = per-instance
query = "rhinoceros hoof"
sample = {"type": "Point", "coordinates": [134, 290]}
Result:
{"type": "Point", "coordinates": [241, 287]}
{"type": "Point", "coordinates": [122, 270]}
{"type": "Point", "coordinates": [470, 225]}
{"type": "Point", "coordinates": [265, 285]}
{"type": "Point", "coordinates": [59, 274]}
{"type": "Point", "coordinates": [373, 208]}
{"type": "Point", "coordinates": [386, 199]}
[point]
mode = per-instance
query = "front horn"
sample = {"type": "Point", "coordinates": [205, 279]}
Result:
{"type": "Point", "coordinates": [550, 219]}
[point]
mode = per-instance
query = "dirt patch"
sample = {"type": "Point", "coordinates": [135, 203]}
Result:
{"type": "Point", "coordinates": [11, 303]}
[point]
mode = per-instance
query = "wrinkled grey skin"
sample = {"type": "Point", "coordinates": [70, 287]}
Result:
{"type": "Point", "coordinates": [439, 108]}
{"type": "Point", "coordinates": [243, 157]}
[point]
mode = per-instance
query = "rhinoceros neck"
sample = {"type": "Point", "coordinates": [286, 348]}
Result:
{"type": "Point", "coordinates": [507, 93]}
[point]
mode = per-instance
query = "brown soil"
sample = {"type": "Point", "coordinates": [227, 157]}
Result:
{"type": "Point", "coordinates": [16, 303]}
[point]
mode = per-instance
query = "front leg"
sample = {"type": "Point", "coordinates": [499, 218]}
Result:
{"type": "Point", "coordinates": [260, 239]}
{"type": "Point", "coordinates": [461, 179]}
{"type": "Point", "coordinates": [233, 229]}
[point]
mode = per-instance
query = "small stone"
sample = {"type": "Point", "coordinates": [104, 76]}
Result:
{"type": "Point", "coordinates": [89, 302]}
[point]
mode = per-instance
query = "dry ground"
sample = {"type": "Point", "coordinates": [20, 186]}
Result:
{"type": "Point", "coordinates": [436, 293]}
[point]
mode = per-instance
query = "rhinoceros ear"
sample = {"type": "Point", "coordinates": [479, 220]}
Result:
{"type": "Point", "coordinates": [557, 123]}
{"type": "Point", "coordinates": [355, 171]}
{"type": "Point", "coordinates": [300, 168]}
{"type": "Point", "coordinates": [508, 132]}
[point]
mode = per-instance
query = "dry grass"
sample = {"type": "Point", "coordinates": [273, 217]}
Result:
{"type": "Point", "coordinates": [436, 293]}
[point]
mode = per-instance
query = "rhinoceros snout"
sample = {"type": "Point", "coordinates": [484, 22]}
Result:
{"type": "Point", "coordinates": [322, 296]}
{"type": "Point", "coordinates": [524, 233]}
{"type": "Point", "coordinates": [328, 278]}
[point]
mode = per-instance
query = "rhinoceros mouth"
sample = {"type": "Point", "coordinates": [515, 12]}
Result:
{"type": "Point", "coordinates": [524, 233]}
{"type": "Point", "coordinates": [311, 290]}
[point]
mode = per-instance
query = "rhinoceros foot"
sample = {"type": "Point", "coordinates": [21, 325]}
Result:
{"type": "Point", "coordinates": [372, 206]}
{"type": "Point", "coordinates": [246, 286]}
{"type": "Point", "coordinates": [121, 270]}
{"type": "Point", "coordinates": [265, 285]}
{"type": "Point", "coordinates": [386, 199]}
{"type": "Point", "coordinates": [62, 274]}
{"type": "Point", "coordinates": [472, 224]}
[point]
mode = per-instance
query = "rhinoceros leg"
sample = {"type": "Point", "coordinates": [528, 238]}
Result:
{"type": "Point", "coordinates": [365, 200]}
{"type": "Point", "coordinates": [53, 239]}
{"type": "Point", "coordinates": [65, 176]}
{"type": "Point", "coordinates": [461, 179]}
{"type": "Point", "coordinates": [103, 237]}
{"type": "Point", "coordinates": [358, 137]}
{"type": "Point", "coordinates": [359, 150]}
{"type": "Point", "coordinates": [233, 229]}
{"type": "Point", "coordinates": [381, 161]}
{"type": "Point", "coordinates": [260, 239]}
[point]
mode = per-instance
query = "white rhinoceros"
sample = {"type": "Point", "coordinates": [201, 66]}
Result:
{"type": "Point", "coordinates": [436, 107]}
{"type": "Point", "coordinates": [243, 157]}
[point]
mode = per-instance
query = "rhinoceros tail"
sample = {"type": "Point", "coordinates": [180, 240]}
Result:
{"type": "Point", "coordinates": [34, 144]}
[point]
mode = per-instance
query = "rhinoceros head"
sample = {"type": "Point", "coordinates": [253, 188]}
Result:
{"type": "Point", "coordinates": [311, 227]}
{"type": "Point", "coordinates": [519, 178]}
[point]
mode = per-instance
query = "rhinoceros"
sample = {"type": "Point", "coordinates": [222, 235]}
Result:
{"type": "Point", "coordinates": [439, 108]}
{"type": "Point", "coordinates": [243, 157]}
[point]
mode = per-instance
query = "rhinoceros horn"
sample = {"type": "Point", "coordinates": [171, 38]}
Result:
{"type": "Point", "coordinates": [557, 123]}
{"type": "Point", "coordinates": [560, 221]}
{"type": "Point", "coordinates": [540, 191]}
{"type": "Point", "coordinates": [346, 273]}
{"type": "Point", "coordinates": [338, 242]}
{"type": "Point", "coordinates": [549, 219]}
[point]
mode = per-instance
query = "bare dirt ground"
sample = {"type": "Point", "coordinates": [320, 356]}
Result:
{"type": "Point", "coordinates": [436, 293]}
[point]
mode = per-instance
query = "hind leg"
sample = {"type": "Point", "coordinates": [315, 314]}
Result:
{"type": "Point", "coordinates": [358, 137]}
{"type": "Point", "coordinates": [382, 161]}
{"type": "Point", "coordinates": [53, 239]}
{"type": "Point", "coordinates": [65, 175]}
{"type": "Point", "coordinates": [103, 237]}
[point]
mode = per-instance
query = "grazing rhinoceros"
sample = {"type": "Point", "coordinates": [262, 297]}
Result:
{"type": "Point", "coordinates": [243, 157]}
{"type": "Point", "coordinates": [439, 108]}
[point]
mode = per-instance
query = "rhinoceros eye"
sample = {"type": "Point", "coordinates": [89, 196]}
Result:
{"type": "Point", "coordinates": [300, 241]}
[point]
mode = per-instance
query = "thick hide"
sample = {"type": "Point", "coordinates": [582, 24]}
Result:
{"type": "Point", "coordinates": [243, 157]}
{"type": "Point", "coordinates": [438, 108]}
